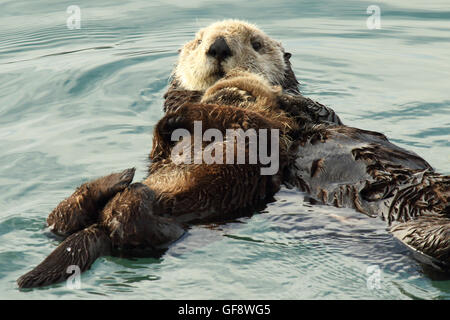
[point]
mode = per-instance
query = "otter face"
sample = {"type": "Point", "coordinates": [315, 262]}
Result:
{"type": "Point", "coordinates": [229, 45]}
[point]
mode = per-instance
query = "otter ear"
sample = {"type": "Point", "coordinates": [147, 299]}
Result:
{"type": "Point", "coordinates": [289, 83]}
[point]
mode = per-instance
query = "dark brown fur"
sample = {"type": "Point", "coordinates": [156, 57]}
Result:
{"type": "Point", "coordinates": [360, 169]}
{"type": "Point", "coordinates": [111, 214]}
{"type": "Point", "coordinates": [333, 163]}
{"type": "Point", "coordinates": [82, 207]}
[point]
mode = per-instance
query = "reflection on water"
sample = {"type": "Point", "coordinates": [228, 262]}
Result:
{"type": "Point", "coordinates": [77, 104]}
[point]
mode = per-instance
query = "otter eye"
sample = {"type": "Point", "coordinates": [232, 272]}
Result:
{"type": "Point", "coordinates": [256, 45]}
{"type": "Point", "coordinates": [199, 41]}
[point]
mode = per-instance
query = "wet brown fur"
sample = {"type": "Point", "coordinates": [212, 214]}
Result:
{"type": "Point", "coordinates": [111, 214]}
{"type": "Point", "coordinates": [333, 163]}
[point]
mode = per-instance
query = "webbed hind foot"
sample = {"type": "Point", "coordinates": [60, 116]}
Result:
{"type": "Point", "coordinates": [81, 209]}
{"type": "Point", "coordinates": [132, 223]}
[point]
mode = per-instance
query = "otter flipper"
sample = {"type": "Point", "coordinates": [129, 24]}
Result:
{"type": "Point", "coordinates": [130, 220]}
{"type": "Point", "coordinates": [80, 249]}
{"type": "Point", "coordinates": [82, 207]}
{"type": "Point", "coordinates": [428, 237]}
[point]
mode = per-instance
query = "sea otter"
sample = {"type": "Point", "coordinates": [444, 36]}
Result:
{"type": "Point", "coordinates": [111, 214]}
{"type": "Point", "coordinates": [230, 45]}
{"type": "Point", "coordinates": [334, 164]}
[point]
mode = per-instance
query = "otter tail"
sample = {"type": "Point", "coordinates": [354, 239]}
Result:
{"type": "Point", "coordinates": [79, 250]}
{"type": "Point", "coordinates": [428, 237]}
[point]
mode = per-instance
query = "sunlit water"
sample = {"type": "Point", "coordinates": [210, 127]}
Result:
{"type": "Point", "coordinates": [78, 104]}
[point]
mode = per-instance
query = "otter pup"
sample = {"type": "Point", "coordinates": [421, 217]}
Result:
{"type": "Point", "coordinates": [111, 215]}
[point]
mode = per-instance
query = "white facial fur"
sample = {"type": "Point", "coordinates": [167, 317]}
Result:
{"type": "Point", "coordinates": [196, 70]}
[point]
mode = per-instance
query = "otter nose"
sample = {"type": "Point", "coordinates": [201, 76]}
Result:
{"type": "Point", "coordinates": [219, 49]}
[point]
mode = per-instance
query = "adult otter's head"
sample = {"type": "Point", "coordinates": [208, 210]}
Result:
{"type": "Point", "coordinates": [228, 45]}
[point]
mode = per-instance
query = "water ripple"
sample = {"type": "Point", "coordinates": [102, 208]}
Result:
{"type": "Point", "coordinates": [78, 104]}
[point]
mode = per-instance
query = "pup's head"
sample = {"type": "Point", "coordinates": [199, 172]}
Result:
{"type": "Point", "coordinates": [228, 45]}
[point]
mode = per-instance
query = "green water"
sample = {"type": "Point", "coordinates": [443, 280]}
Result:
{"type": "Point", "coordinates": [80, 103]}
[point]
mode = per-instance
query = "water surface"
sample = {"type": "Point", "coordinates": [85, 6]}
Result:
{"type": "Point", "coordinates": [78, 104]}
